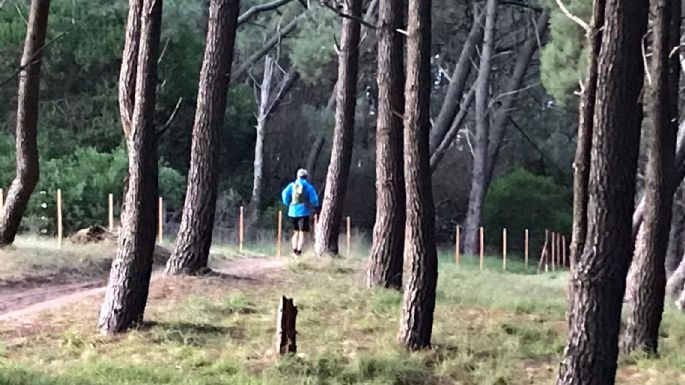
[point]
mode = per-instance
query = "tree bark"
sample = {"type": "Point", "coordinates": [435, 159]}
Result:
{"type": "Point", "coordinates": [598, 279]}
{"type": "Point", "coordinates": [480, 156]}
{"type": "Point", "coordinates": [386, 261]}
{"type": "Point", "coordinates": [419, 249]}
{"type": "Point", "coordinates": [328, 226]}
{"type": "Point", "coordinates": [647, 286]}
{"type": "Point", "coordinates": [581, 163]}
{"type": "Point", "coordinates": [191, 251]}
{"type": "Point", "coordinates": [129, 277]}
{"type": "Point", "coordinates": [28, 168]}
{"type": "Point", "coordinates": [455, 90]}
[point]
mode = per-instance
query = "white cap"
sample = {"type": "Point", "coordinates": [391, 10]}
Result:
{"type": "Point", "coordinates": [302, 174]}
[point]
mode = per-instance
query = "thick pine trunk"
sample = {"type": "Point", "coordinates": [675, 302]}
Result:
{"type": "Point", "coordinates": [598, 278]}
{"type": "Point", "coordinates": [419, 248]}
{"type": "Point", "coordinates": [27, 124]}
{"type": "Point", "coordinates": [457, 124]}
{"type": "Point", "coordinates": [385, 264]}
{"type": "Point", "coordinates": [129, 278]}
{"type": "Point", "coordinates": [480, 149]}
{"type": "Point", "coordinates": [313, 157]}
{"type": "Point", "coordinates": [648, 282]}
{"type": "Point", "coordinates": [191, 251]}
{"type": "Point", "coordinates": [328, 226]}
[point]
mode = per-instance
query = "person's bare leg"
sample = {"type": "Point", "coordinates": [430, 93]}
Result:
{"type": "Point", "coordinates": [295, 240]}
{"type": "Point", "coordinates": [300, 241]}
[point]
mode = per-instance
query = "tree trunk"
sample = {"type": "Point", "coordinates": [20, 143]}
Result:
{"type": "Point", "coordinates": [328, 226]}
{"type": "Point", "coordinates": [480, 150]}
{"type": "Point", "coordinates": [314, 154]}
{"type": "Point", "coordinates": [129, 278]}
{"type": "Point", "coordinates": [581, 163]}
{"type": "Point", "coordinates": [676, 241]}
{"type": "Point", "coordinates": [419, 249]}
{"type": "Point", "coordinates": [457, 124]}
{"type": "Point", "coordinates": [27, 124]}
{"type": "Point", "coordinates": [262, 115]}
{"type": "Point", "coordinates": [191, 251]}
{"type": "Point", "coordinates": [648, 284]}
{"type": "Point", "coordinates": [455, 90]}
{"type": "Point", "coordinates": [511, 92]}
{"type": "Point", "coordinates": [385, 263]}
{"type": "Point", "coordinates": [598, 278]}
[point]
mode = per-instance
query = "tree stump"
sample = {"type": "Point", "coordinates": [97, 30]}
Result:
{"type": "Point", "coordinates": [286, 332]}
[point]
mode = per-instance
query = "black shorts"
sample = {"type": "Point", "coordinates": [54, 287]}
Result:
{"type": "Point", "coordinates": [300, 224]}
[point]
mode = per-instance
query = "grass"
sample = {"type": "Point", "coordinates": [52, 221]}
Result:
{"type": "Point", "coordinates": [491, 327]}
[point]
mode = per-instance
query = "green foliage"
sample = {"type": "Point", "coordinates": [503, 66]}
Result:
{"type": "Point", "coordinates": [521, 200]}
{"type": "Point", "coordinates": [564, 57]}
{"type": "Point", "coordinates": [85, 178]}
{"type": "Point", "coordinates": [312, 51]}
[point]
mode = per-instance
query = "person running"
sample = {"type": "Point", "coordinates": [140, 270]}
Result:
{"type": "Point", "coordinates": [301, 199]}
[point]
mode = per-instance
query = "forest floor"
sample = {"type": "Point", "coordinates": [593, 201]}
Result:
{"type": "Point", "coordinates": [490, 327]}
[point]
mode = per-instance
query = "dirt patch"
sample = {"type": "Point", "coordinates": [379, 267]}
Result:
{"type": "Point", "coordinates": [22, 312]}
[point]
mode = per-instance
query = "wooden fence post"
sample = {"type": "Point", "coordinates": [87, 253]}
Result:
{"type": "Point", "coordinates": [563, 248]}
{"type": "Point", "coordinates": [241, 229]}
{"type": "Point", "coordinates": [554, 251]}
{"type": "Point", "coordinates": [110, 216]}
{"type": "Point", "coordinates": [457, 246]}
{"type": "Point", "coordinates": [525, 248]}
{"type": "Point", "coordinates": [279, 238]}
{"type": "Point", "coordinates": [286, 331]}
{"type": "Point", "coordinates": [482, 248]}
{"type": "Point", "coordinates": [349, 238]}
{"type": "Point", "coordinates": [504, 249]}
{"type": "Point", "coordinates": [160, 220]}
{"type": "Point", "coordinates": [60, 229]}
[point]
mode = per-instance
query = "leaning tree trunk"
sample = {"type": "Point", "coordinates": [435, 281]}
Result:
{"type": "Point", "coordinates": [385, 263]}
{"type": "Point", "coordinates": [648, 284]}
{"type": "Point", "coordinates": [419, 249]}
{"type": "Point", "coordinates": [27, 124]}
{"type": "Point", "coordinates": [480, 150]}
{"type": "Point", "coordinates": [598, 278]}
{"type": "Point", "coordinates": [328, 226]}
{"type": "Point", "coordinates": [129, 278]}
{"type": "Point", "coordinates": [191, 251]}
{"type": "Point", "coordinates": [455, 90]}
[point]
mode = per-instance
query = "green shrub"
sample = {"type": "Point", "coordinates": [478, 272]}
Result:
{"type": "Point", "coordinates": [521, 200]}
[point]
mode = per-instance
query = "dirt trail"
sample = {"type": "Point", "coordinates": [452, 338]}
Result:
{"type": "Point", "coordinates": [17, 303]}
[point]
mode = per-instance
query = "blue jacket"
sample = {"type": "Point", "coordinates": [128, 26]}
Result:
{"type": "Point", "coordinates": [308, 202]}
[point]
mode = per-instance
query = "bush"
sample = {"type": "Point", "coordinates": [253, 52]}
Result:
{"type": "Point", "coordinates": [86, 178]}
{"type": "Point", "coordinates": [521, 200]}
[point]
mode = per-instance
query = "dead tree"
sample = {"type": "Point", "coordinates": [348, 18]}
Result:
{"type": "Point", "coordinates": [27, 123]}
{"type": "Point", "coordinates": [267, 104]}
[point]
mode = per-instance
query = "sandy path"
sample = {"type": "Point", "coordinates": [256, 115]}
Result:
{"type": "Point", "coordinates": [17, 303]}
